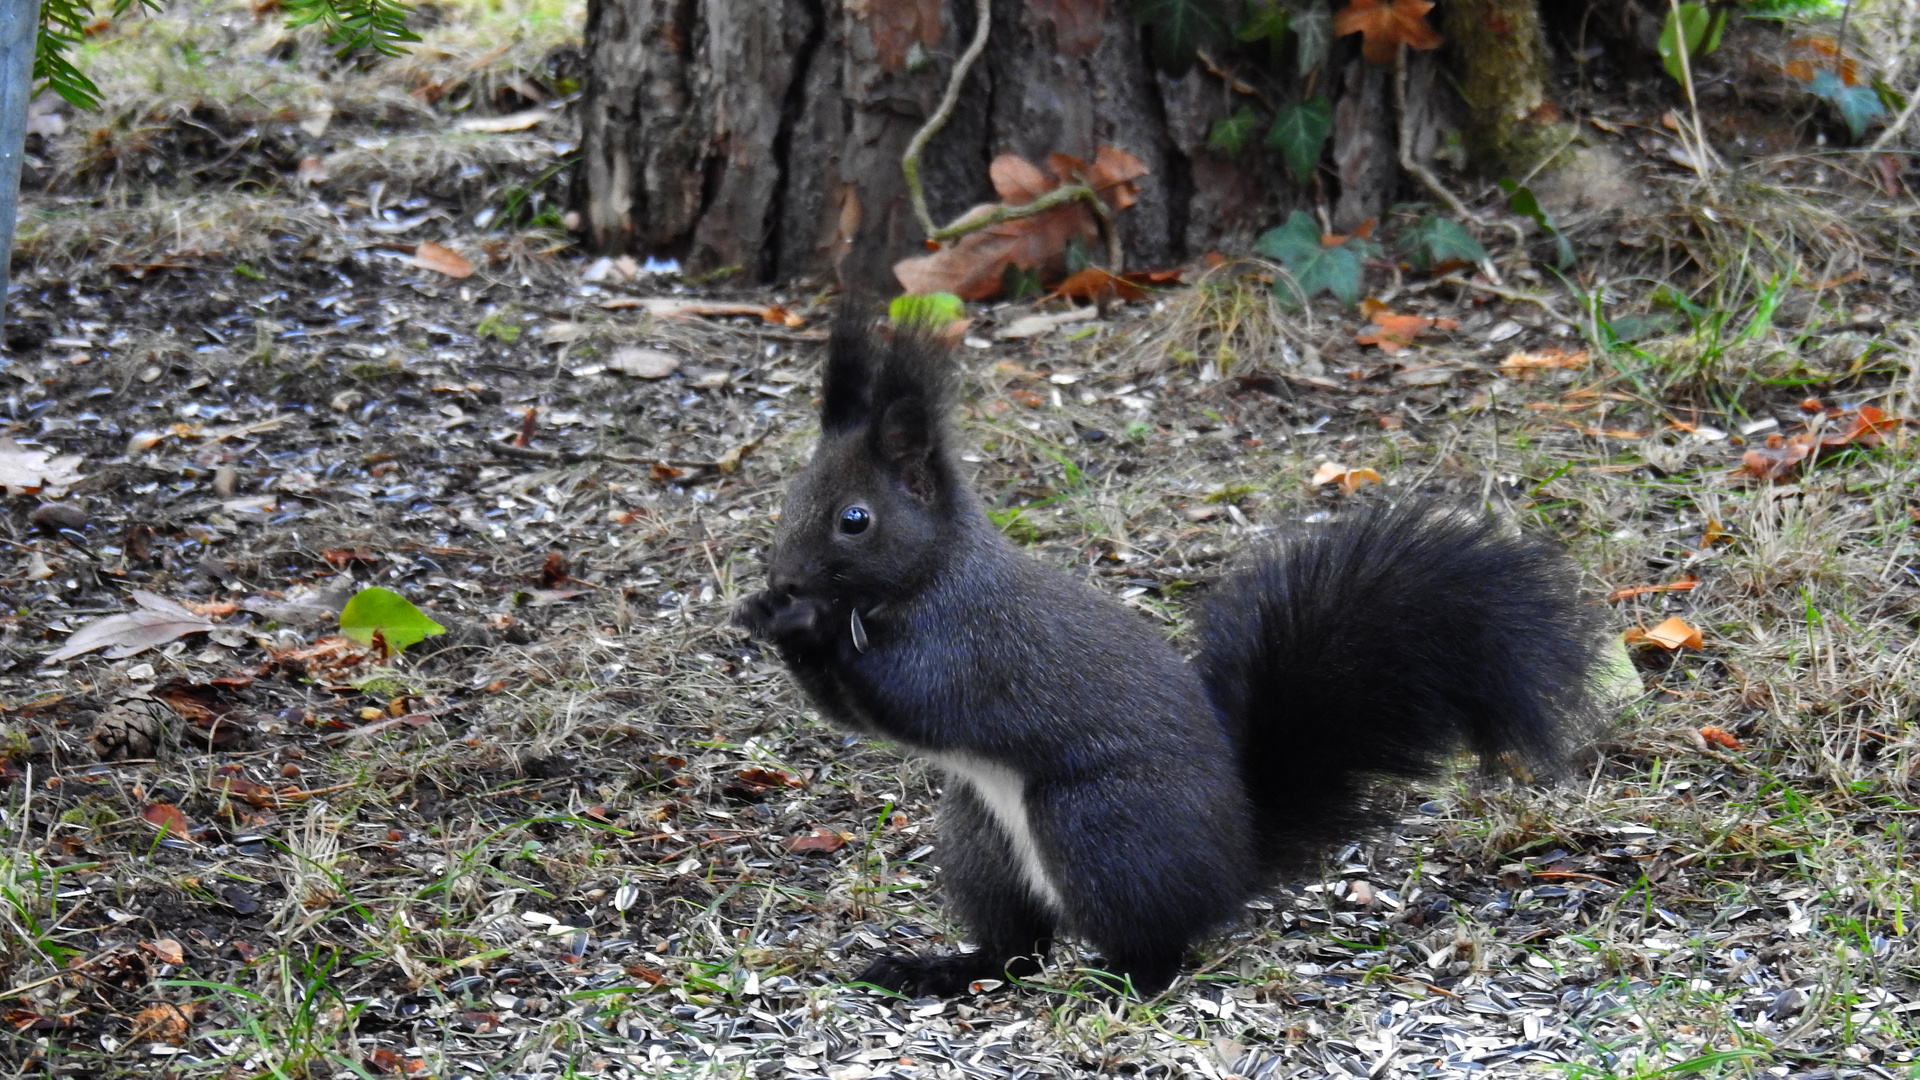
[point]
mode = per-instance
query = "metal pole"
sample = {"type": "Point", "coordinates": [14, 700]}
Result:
{"type": "Point", "coordinates": [19, 27]}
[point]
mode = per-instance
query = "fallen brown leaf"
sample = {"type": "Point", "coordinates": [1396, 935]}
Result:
{"type": "Point", "coordinates": [440, 259]}
{"type": "Point", "coordinates": [159, 621]}
{"type": "Point", "coordinates": [163, 1022]}
{"type": "Point", "coordinates": [820, 839]}
{"type": "Point", "coordinates": [1719, 737]}
{"type": "Point", "coordinates": [1098, 284]}
{"type": "Point", "coordinates": [1673, 634]}
{"type": "Point", "coordinates": [1350, 480]}
{"type": "Point", "coordinates": [167, 817]}
{"type": "Point", "coordinates": [1394, 333]}
{"type": "Point", "coordinates": [28, 470]}
{"type": "Point", "coordinates": [974, 266]}
{"type": "Point", "coordinates": [1554, 358]}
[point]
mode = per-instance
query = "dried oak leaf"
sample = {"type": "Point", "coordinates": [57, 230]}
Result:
{"type": "Point", "coordinates": [974, 266]}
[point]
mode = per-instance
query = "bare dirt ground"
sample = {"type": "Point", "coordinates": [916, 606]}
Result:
{"type": "Point", "coordinates": [591, 831]}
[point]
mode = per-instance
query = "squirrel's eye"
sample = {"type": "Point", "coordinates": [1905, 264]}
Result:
{"type": "Point", "coordinates": [854, 520]}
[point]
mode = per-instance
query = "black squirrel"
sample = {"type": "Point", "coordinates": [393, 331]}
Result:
{"type": "Point", "coordinates": [1097, 783]}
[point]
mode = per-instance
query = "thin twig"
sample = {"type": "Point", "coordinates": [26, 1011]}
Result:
{"type": "Point", "coordinates": [1900, 122]}
{"type": "Point", "coordinates": [1407, 160]}
{"type": "Point", "coordinates": [1234, 82]}
{"type": "Point", "coordinates": [1426, 176]}
{"type": "Point", "coordinates": [1508, 294]}
{"type": "Point", "coordinates": [1060, 196]}
{"type": "Point", "coordinates": [910, 161]}
{"type": "Point", "coordinates": [1048, 200]}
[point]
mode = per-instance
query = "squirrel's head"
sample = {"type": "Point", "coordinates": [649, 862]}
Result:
{"type": "Point", "coordinates": [870, 516]}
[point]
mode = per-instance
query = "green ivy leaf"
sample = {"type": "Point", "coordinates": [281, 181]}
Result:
{"type": "Point", "coordinates": [1858, 105]}
{"type": "Point", "coordinates": [1229, 134]}
{"type": "Point", "coordinates": [1435, 240]}
{"type": "Point", "coordinates": [1181, 28]}
{"type": "Point", "coordinates": [1266, 21]}
{"type": "Point", "coordinates": [927, 310]}
{"type": "Point", "coordinates": [1696, 22]}
{"type": "Point", "coordinates": [1300, 130]}
{"type": "Point", "coordinates": [1521, 201]}
{"type": "Point", "coordinates": [1313, 33]}
{"type": "Point", "coordinates": [384, 611]}
{"type": "Point", "coordinates": [1299, 237]}
{"type": "Point", "coordinates": [1316, 268]}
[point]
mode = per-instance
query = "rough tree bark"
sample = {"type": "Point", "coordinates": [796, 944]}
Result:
{"type": "Point", "coordinates": [1500, 55]}
{"type": "Point", "coordinates": [766, 134]}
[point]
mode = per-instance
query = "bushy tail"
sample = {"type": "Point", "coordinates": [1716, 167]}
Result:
{"type": "Point", "coordinates": [1381, 644]}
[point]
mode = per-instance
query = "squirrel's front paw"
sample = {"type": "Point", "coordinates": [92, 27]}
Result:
{"type": "Point", "coordinates": [782, 618]}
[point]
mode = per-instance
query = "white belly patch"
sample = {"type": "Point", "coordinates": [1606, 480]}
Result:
{"type": "Point", "coordinates": [1003, 792]}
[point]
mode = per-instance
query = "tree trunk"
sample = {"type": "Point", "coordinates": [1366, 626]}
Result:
{"type": "Point", "coordinates": [766, 135]}
{"type": "Point", "coordinates": [1500, 58]}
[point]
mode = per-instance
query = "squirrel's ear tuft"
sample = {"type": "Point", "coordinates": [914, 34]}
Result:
{"type": "Point", "coordinates": [912, 392]}
{"type": "Point", "coordinates": [846, 392]}
{"type": "Point", "coordinates": [907, 440]}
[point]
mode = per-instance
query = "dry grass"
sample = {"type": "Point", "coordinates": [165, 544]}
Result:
{"type": "Point", "coordinates": [221, 134]}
